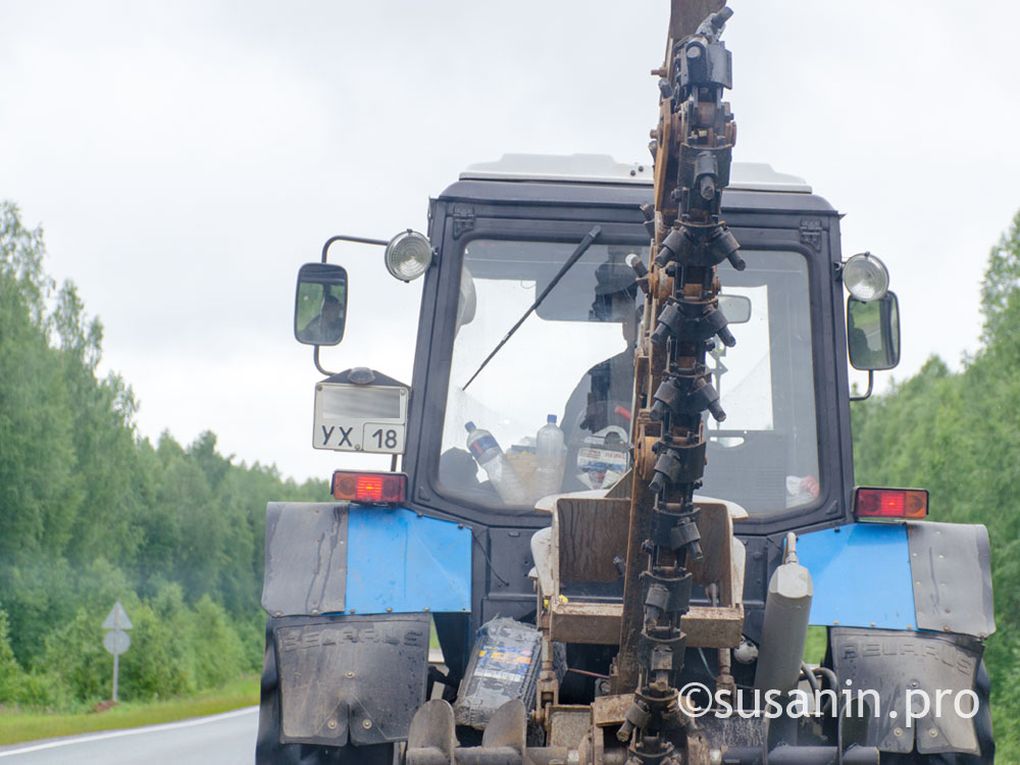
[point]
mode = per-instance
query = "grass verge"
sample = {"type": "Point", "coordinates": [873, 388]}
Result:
{"type": "Point", "coordinates": [18, 725]}
{"type": "Point", "coordinates": [816, 644]}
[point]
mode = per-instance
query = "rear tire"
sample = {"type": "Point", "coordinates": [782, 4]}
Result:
{"type": "Point", "coordinates": [269, 750]}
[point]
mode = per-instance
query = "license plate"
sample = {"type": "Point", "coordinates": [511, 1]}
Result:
{"type": "Point", "coordinates": [360, 418]}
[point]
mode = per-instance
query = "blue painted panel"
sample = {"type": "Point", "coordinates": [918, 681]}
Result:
{"type": "Point", "coordinates": [400, 561]}
{"type": "Point", "coordinates": [861, 575]}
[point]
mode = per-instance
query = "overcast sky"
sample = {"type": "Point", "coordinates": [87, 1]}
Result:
{"type": "Point", "coordinates": [185, 158]}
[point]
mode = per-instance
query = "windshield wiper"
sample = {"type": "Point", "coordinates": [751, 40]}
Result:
{"type": "Point", "coordinates": [581, 248]}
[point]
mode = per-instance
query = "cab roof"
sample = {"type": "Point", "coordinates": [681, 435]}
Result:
{"type": "Point", "coordinates": [598, 179]}
{"type": "Point", "coordinates": [602, 168]}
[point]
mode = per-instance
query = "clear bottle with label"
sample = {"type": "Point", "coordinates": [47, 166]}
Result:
{"type": "Point", "coordinates": [551, 453]}
{"type": "Point", "coordinates": [490, 457]}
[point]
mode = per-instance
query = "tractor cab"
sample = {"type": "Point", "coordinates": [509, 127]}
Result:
{"type": "Point", "coordinates": [501, 249]}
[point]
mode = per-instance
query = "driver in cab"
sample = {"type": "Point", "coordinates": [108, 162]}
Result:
{"type": "Point", "coordinates": [327, 327]}
{"type": "Point", "coordinates": [597, 417]}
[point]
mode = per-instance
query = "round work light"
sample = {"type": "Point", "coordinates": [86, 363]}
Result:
{"type": "Point", "coordinates": [408, 255]}
{"type": "Point", "coordinates": [866, 277]}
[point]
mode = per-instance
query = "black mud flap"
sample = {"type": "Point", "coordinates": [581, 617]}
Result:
{"type": "Point", "coordinates": [952, 573]}
{"type": "Point", "coordinates": [911, 666]}
{"type": "Point", "coordinates": [345, 679]}
{"type": "Point", "coordinates": [306, 558]}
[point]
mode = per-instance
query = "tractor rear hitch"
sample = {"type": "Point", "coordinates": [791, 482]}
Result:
{"type": "Point", "coordinates": [432, 740]}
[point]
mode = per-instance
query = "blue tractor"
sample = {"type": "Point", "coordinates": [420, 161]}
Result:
{"type": "Point", "coordinates": [353, 587]}
{"type": "Point", "coordinates": [548, 573]}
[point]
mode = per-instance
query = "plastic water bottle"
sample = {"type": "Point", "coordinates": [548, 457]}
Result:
{"type": "Point", "coordinates": [551, 453]}
{"type": "Point", "coordinates": [490, 457]}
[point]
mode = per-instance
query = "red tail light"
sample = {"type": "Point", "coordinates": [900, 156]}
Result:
{"type": "Point", "coordinates": [371, 488]}
{"type": "Point", "coordinates": [891, 504]}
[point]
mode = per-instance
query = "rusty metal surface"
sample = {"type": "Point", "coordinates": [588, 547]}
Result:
{"type": "Point", "coordinates": [610, 710]}
{"type": "Point", "coordinates": [432, 737]}
{"type": "Point", "coordinates": [692, 145]}
{"type": "Point", "coordinates": [569, 725]}
{"type": "Point", "coordinates": [590, 533]}
{"type": "Point", "coordinates": [599, 624]}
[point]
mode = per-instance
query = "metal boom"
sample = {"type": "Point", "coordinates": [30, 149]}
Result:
{"type": "Point", "coordinates": [692, 145]}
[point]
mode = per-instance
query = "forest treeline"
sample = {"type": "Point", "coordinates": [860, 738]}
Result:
{"type": "Point", "coordinates": [91, 512]}
{"type": "Point", "coordinates": [957, 434]}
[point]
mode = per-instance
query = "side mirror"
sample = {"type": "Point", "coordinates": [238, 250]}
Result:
{"type": "Point", "coordinates": [736, 308]}
{"type": "Point", "coordinates": [873, 332]}
{"type": "Point", "coordinates": [320, 305]}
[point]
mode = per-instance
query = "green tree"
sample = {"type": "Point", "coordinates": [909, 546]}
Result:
{"type": "Point", "coordinates": [1002, 277]}
{"type": "Point", "coordinates": [90, 513]}
{"type": "Point", "coordinates": [160, 662]}
{"type": "Point", "coordinates": [219, 652]}
{"type": "Point", "coordinates": [10, 671]}
{"type": "Point", "coordinates": [36, 418]}
{"type": "Point", "coordinates": [74, 652]}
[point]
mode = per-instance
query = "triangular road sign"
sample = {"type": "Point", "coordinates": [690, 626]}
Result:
{"type": "Point", "coordinates": [117, 618]}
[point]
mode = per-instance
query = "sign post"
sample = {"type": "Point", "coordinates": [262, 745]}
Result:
{"type": "Point", "coordinates": [116, 640]}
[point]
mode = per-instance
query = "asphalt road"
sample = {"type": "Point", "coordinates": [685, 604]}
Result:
{"type": "Point", "coordinates": [225, 739]}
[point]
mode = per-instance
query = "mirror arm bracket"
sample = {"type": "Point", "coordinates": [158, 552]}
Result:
{"type": "Point", "coordinates": [315, 358]}
{"type": "Point", "coordinates": [346, 238]}
{"type": "Point", "coordinates": [865, 397]}
{"type": "Point", "coordinates": [325, 252]}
